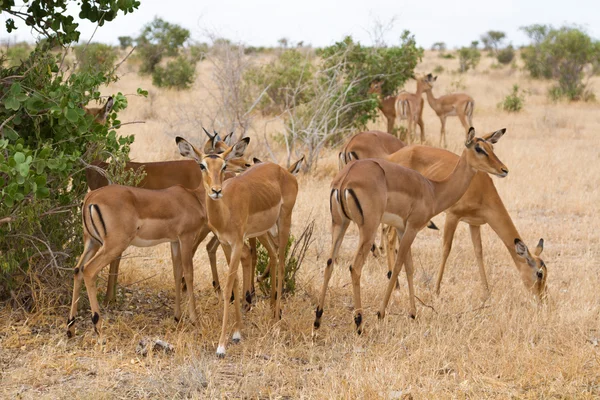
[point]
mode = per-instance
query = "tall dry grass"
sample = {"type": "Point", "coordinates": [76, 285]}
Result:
{"type": "Point", "coordinates": [458, 347]}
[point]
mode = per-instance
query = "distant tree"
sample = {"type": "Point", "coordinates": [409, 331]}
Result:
{"type": "Point", "coordinates": [283, 42]}
{"type": "Point", "coordinates": [125, 41]}
{"type": "Point", "coordinates": [492, 40]}
{"type": "Point", "coordinates": [158, 39]}
{"type": "Point", "coordinates": [562, 55]}
{"type": "Point", "coordinates": [468, 57]}
{"type": "Point", "coordinates": [438, 46]}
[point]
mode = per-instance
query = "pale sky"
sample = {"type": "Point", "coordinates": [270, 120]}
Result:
{"type": "Point", "coordinates": [322, 22]}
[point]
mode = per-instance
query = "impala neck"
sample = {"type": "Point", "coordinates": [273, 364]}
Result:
{"type": "Point", "coordinates": [500, 221]}
{"type": "Point", "coordinates": [431, 99]}
{"type": "Point", "coordinates": [217, 211]}
{"type": "Point", "coordinates": [450, 190]}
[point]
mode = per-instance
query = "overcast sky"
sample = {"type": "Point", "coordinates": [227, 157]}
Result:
{"type": "Point", "coordinates": [322, 22]}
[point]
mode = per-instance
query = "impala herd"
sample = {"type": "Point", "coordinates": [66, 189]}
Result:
{"type": "Point", "coordinates": [381, 182]}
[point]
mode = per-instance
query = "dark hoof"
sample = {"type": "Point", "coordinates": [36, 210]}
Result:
{"type": "Point", "coordinates": [317, 324]}
{"type": "Point", "coordinates": [176, 319]}
{"type": "Point", "coordinates": [359, 332]}
{"type": "Point", "coordinates": [413, 316]}
{"type": "Point", "coordinates": [69, 334]}
{"type": "Point", "coordinates": [220, 355]}
{"type": "Point", "coordinates": [236, 340]}
{"type": "Point", "coordinates": [379, 316]}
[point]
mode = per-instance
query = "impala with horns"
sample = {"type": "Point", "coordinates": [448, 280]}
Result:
{"type": "Point", "coordinates": [369, 192]}
{"type": "Point", "coordinates": [116, 216]}
{"type": "Point", "coordinates": [246, 206]}
{"type": "Point", "coordinates": [460, 104]}
{"type": "Point", "coordinates": [481, 204]}
{"type": "Point", "coordinates": [162, 175]}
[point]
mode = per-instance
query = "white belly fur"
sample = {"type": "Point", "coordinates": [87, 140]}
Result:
{"type": "Point", "coordinates": [139, 242]}
{"type": "Point", "coordinates": [393, 220]}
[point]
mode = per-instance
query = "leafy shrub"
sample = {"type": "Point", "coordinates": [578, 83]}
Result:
{"type": "Point", "coordinates": [505, 56]}
{"type": "Point", "coordinates": [159, 39]}
{"type": "Point", "coordinates": [179, 73]}
{"type": "Point", "coordinates": [438, 46]}
{"type": "Point", "coordinates": [468, 58]}
{"type": "Point", "coordinates": [282, 78]}
{"type": "Point", "coordinates": [125, 42]}
{"type": "Point", "coordinates": [438, 69]}
{"type": "Point", "coordinates": [447, 56]}
{"type": "Point", "coordinates": [491, 41]}
{"type": "Point", "coordinates": [95, 57]}
{"type": "Point", "coordinates": [15, 54]}
{"type": "Point", "coordinates": [514, 102]}
{"type": "Point", "coordinates": [561, 55]}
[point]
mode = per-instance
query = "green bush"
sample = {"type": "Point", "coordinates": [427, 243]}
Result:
{"type": "Point", "coordinates": [447, 56]}
{"type": "Point", "coordinates": [438, 69]}
{"type": "Point", "coordinates": [95, 58]}
{"type": "Point", "coordinates": [505, 56]}
{"type": "Point", "coordinates": [561, 54]}
{"type": "Point", "coordinates": [159, 39]}
{"type": "Point", "coordinates": [125, 42]}
{"type": "Point", "coordinates": [179, 73]}
{"type": "Point", "coordinates": [282, 79]}
{"type": "Point", "coordinates": [468, 58]}
{"type": "Point", "coordinates": [15, 54]}
{"type": "Point", "coordinates": [514, 102]}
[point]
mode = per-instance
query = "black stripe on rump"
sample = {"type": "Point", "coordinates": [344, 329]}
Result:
{"type": "Point", "coordinates": [357, 203]}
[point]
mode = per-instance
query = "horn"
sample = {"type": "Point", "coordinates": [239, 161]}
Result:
{"type": "Point", "coordinates": [208, 133]}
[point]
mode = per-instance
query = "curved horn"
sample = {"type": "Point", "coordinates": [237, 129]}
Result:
{"type": "Point", "coordinates": [208, 133]}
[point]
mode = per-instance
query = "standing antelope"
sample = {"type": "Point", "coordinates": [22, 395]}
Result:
{"type": "Point", "coordinates": [369, 144]}
{"type": "Point", "coordinates": [116, 216]}
{"type": "Point", "coordinates": [459, 104]}
{"type": "Point", "coordinates": [370, 192]}
{"type": "Point", "coordinates": [246, 206]}
{"type": "Point", "coordinates": [481, 204]}
{"type": "Point", "coordinates": [404, 106]}
{"type": "Point", "coordinates": [100, 114]}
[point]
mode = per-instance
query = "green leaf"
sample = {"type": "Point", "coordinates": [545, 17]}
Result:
{"type": "Point", "coordinates": [8, 200]}
{"type": "Point", "coordinates": [40, 180]}
{"type": "Point", "coordinates": [15, 88]}
{"type": "Point", "coordinates": [19, 157]}
{"type": "Point", "coordinates": [39, 166]}
{"type": "Point", "coordinates": [142, 92]}
{"type": "Point", "coordinates": [42, 192]}
{"type": "Point", "coordinates": [23, 169]}
{"type": "Point", "coordinates": [10, 133]}
{"type": "Point", "coordinates": [20, 179]}
{"type": "Point", "coordinates": [12, 104]}
{"type": "Point", "coordinates": [72, 115]}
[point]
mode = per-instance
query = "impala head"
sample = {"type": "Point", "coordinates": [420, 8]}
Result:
{"type": "Point", "coordinates": [480, 153]}
{"type": "Point", "coordinates": [535, 279]}
{"type": "Point", "coordinates": [375, 87]}
{"type": "Point", "coordinates": [214, 144]}
{"type": "Point", "coordinates": [100, 114]}
{"type": "Point", "coordinates": [214, 166]}
{"type": "Point", "coordinates": [426, 81]}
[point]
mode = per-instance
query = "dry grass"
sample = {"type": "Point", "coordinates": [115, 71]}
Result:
{"type": "Point", "coordinates": [457, 348]}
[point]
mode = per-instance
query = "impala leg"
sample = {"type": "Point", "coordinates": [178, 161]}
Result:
{"type": "Point", "coordinates": [267, 241]}
{"type": "Point", "coordinates": [111, 287]}
{"type": "Point", "coordinates": [390, 125]}
{"type": "Point", "coordinates": [380, 250]}
{"type": "Point", "coordinates": [233, 254]}
{"type": "Point", "coordinates": [476, 239]}
{"type": "Point", "coordinates": [101, 259]}
{"type": "Point", "coordinates": [449, 229]}
{"type": "Point", "coordinates": [246, 261]}
{"type": "Point", "coordinates": [283, 225]}
{"type": "Point", "coordinates": [463, 121]}
{"type": "Point", "coordinates": [186, 246]}
{"type": "Point", "coordinates": [337, 234]}
{"type": "Point", "coordinates": [391, 239]}
{"type": "Point", "coordinates": [422, 128]}
{"type": "Point", "coordinates": [410, 270]}
{"type": "Point", "coordinates": [238, 325]}
{"type": "Point", "coordinates": [405, 242]}
{"type": "Point", "coordinates": [443, 131]}
{"type": "Point", "coordinates": [90, 249]}
{"type": "Point", "coordinates": [367, 236]}
{"type": "Point", "coordinates": [211, 250]}
{"type": "Point", "coordinates": [177, 274]}
{"type": "Point", "coordinates": [253, 260]}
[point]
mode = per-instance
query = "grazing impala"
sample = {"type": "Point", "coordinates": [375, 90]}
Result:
{"type": "Point", "coordinates": [404, 106]}
{"type": "Point", "coordinates": [459, 104]}
{"type": "Point", "coordinates": [481, 204]}
{"type": "Point", "coordinates": [116, 216]}
{"type": "Point", "coordinates": [370, 192]}
{"type": "Point", "coordinates": [246, 206]}
{"type": "Point", "coordinates": [162, 175]}
{"type": "Point", "coordinates": [100, 114]}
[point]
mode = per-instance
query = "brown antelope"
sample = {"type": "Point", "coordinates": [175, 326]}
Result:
{"type": "Point", "coordinates": [480, 205]}
{"type": "Point", "coordinates": [162, 175]}
{"type": "Point", "coordinates": [370, 192]}
{"type": "Point", "coordinates": [116, 216]}
{"type": "Point", "coordinates": [100, 114]}
{"type": "Point", "coordinates": [459, 104]}
{"type": "Point", "coordinates": [404, 106]}
{"type": "Point", "coordinates": [246, 206]}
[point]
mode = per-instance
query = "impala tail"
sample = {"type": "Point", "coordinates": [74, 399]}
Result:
{"type": "Point", "coordinates": [345, 203]}
{"type": "Point", "coordinates": [469, 107]}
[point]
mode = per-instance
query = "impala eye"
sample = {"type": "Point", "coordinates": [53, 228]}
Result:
{"type": "Point", "coordinates": [202, 166]}
{"type": "Point", "coordinates": [480, 150]}
{"type": "Point", "coordinates": [224, 166]}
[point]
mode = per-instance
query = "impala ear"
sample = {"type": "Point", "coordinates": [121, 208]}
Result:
{"type": "Point", "coordinates": [523, 252]}
{"type": "Point", "coordinates": [186, 149]}
{"type": "Point", "coordinates": [295, 167]}
{"type": "Point", "coordinates": [237, 150]}
{"type": "Point", "coordinates": [539, 248]}
{"type": "Point", "coordinates": [108, 106]}
{"type": "Point", "coordinates": [495, 136]}
{"type": "Point", "coordinates": [228, 139]}
{"type": "Point", "coordinates": [470, 137]}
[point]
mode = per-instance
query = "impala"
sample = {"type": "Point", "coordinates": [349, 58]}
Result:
{"type": "Point", "coordinates": [116, 216]}
{"type": "Point", "coordinates": [100, 114]}
{"type": "Point", "coordinates": [246, 206]}
{"type": "Point", "coordinates": [481, 204]}
{"type": "Point", "coordinates": [162, 175]}
{"type": "Point", "coordinates": [404, 106]}
{"type": "Point", "coordinates": [459, 104]}
{"type": "Point", "coordinates": [370, 192]}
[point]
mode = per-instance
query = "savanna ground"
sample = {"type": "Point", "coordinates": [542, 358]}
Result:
{"type": "Point", "coordinates": [458, 347]}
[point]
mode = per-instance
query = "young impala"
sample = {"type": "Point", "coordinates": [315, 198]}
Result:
{"type": "Point", "coordinates": [246, 206]}
{"type": "Point", "coordinates": [369, 192]}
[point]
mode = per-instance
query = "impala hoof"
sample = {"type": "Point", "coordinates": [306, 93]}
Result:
{"type": "Point", "coordinates": [221, 352]}
{"type": "Point", "coordinates": [380, 315]}
{"type": "Point", "coordinates": [237, 337]}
